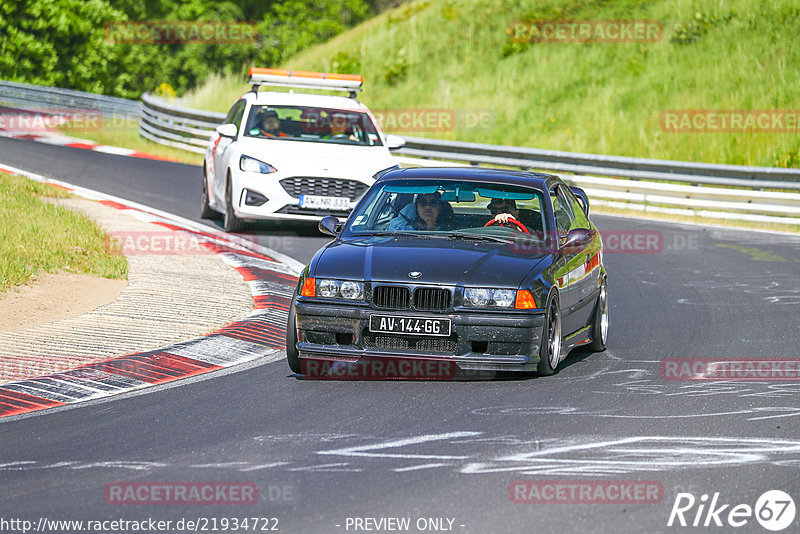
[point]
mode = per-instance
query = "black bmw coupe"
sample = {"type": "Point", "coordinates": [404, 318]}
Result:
{"type": "Point", "coordinates": [452, 269]}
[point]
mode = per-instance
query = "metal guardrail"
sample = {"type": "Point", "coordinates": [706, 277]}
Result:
{"type": "Point", "coordinates": [181, 120]}
{"type": "Point", "coordinates": [33, 97]}
{"type": "Point", "coordinates": [643, 184]}
{"type": "Point", "coordinates": [596, 164]}
{"type": "Point", "coordinates": [177, 126]}
{"type": "Point", "coordinates": [639, 184]}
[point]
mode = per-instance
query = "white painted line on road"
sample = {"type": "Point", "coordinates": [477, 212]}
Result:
{"type": "Point", "coordinates": [418, 467]}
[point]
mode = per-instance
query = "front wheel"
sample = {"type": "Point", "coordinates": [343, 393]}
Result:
{"type": "Point", "coordinates": [206, 212]}
{"type": "Point", "coordinates": [232, 223]}
{"type": "Point", "coordinates": [550, 350]}
{"type": "Point", "coordinates": [292, 356]}
{"type": "Point", "coordinates": [600, 321]}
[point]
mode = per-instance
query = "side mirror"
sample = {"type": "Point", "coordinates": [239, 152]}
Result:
{"type": "Point", "coordinates": [583, 198]}
{"type": "Point", "coordinates": [330, 225]}
{"type": "Point", "coordinates": [395, 141]}
{"type": "Point", "coordinates": [577, 239]}
{"type": "Point", "coordinates": [227, 130]}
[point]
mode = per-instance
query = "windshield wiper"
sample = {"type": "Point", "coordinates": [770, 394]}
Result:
{"type": "Point", "coordinates": [480, 237]}
{"type": "Point", "coordinates": [403, 233]}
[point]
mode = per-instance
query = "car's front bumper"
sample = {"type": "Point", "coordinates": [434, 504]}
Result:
{"type": "Point", "coordinates": [478, 341]}
{"type": "Point", "coordinates": [280, 204]}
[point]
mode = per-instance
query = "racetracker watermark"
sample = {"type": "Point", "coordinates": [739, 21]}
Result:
{"type": "Point", "coordinates": [49, 120]}
{"type": "Point", "coordinates": [432, 119]}
{"type": "Point", "coordinates": [187, 243]}
{"type": "Point", "coordinates": [180, 32]}
{"type": "Point", "coordinates": [586, 31]}
{"type": "Point", "coordinates": [379, 369]}
{"type": "Point", "coordinates": [730, 121]}
{"type": "Point", "coordinates": [622, 242]}
{"type": "Point", "coordinates": [586, 492]}
{"type": "Point", "coordinates": [177, 243]}
{"type": "Point", "coordinates": [181, 493]}
{"type": "Point", "coordinates": [751, 369]}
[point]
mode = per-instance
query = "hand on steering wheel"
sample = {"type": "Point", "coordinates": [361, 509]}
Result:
{"type": "Point", "coordinates": [511, 221]}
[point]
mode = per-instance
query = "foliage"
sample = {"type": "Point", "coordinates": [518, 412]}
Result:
{"type": "Point", "coordinates": [690, 31]}
{"type": "Point", "coordinates": [345, 63]}
{"type": "Point", "coordinates": [66, 43]}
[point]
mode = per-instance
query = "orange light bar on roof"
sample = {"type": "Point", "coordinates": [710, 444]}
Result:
{"type": "Point", "coordinates": [348, 82]}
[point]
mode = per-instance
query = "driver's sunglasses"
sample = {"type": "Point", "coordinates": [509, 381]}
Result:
{"type": "Point", "coordinates": [500, 208]}
{"type": "Point", "coordinates": [428, 202]}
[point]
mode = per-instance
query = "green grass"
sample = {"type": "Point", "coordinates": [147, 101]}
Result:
{"type": "Point", "coordinates": [37, 236]}
{"type": "Point", "coordinates": [125, 133]}
{"type": "Point", "coordinates": [591, 97]}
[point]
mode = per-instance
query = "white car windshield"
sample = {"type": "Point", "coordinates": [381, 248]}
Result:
{"type": "Point", "coordinates": [313, 124]}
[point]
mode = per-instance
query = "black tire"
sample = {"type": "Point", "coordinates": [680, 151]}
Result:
{"type": "Point", "coordinates": [551, 343]}
{"type": "Point", "coordinates": [206, 212]}
{"type": "Point", "coordinates": [600, 330]}
{"type": "Point", "coordinates": [292, 356]}
{"type": "Point", "coordinates": [232, 223]}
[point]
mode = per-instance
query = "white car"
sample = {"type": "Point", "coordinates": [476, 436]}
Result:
{"type": "Point", "coordinates": [293, 156]}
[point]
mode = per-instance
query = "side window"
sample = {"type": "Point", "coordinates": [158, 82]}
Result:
{"type": "Point", "coordinates": [237, 117]}
{"type": "Point", "coordinates": [235, 114]}
{"type": "Point", "coordinates": [562, 211]}
{"type": "Point", "coordinates": [577, 208]}
{"type": "Point", "coordinates": [232, 112]}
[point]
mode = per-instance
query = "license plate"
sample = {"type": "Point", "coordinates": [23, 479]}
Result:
{"type": "Point", "coordinates": [330, 203]}
{"type": "Point", "coordinates": [414, 326]}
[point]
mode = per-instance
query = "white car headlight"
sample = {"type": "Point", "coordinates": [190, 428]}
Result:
{"type": "Point", "coordinates": [248, 164]}
{"type": "Point", "coordinates": [480, 297]}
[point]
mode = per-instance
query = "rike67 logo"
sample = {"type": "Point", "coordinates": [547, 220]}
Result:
{"type": "Point", "coordinates": [774, 510]}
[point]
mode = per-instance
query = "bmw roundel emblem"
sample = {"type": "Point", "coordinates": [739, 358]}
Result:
{"type": "Point", "coordinates": [415, 274]}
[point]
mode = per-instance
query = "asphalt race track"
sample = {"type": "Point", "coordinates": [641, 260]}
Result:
{"type": "Point", "coordinates": [321, 452]}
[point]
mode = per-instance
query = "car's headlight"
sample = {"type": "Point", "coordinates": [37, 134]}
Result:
{"type": "Point", "coordinates": [339, 289]}
{"type": "Point", "coordinates": [479, 297]}
{"type": "Point", "coordinates": [248, 164]}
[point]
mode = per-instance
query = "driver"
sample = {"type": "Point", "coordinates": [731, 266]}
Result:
{"type": "Point", "coordinates": [340, 129]}
{"type": "Point", "coordinates": [269, 125]}
{"type": "Point", "coordinates": [503, 209]}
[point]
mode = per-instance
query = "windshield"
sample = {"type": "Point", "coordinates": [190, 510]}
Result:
{"type": "Point", "coordinates": [449, 208]}
{"type": "Point", "coordinates": [312, 124]}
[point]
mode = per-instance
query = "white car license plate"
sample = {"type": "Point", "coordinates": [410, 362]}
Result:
{"type": "Point", "coordinates": [414, 326]}
{"type": "Point", "coordinates": [319, 202]}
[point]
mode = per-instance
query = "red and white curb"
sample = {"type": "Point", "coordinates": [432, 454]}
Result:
{"type": "Point", "coordinates": [272, 278]}
{"type": "Point", "coordinates": [72, 142]}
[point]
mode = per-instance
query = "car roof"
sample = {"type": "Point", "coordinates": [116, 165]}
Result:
{"type": "Point", "coordinates": [304, 99]}
{"type": "Point", "coordinates": [474, 174]}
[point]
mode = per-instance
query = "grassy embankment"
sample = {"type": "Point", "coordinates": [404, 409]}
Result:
{"type": "Point", "coordinates": [604, 98]}
{"type": "Point", "coordinates": [36, 236]}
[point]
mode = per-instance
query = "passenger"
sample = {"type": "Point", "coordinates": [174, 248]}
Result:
{"type": "Point", "coordinates": [269, 125]}
{"type": "Point", "coordinates": [428, 212]}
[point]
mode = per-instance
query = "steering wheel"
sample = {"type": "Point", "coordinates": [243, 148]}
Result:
{"type": "Point", "coordinates": [340, 136]}
{"type": "Point", "coordinates": [521, 227]}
